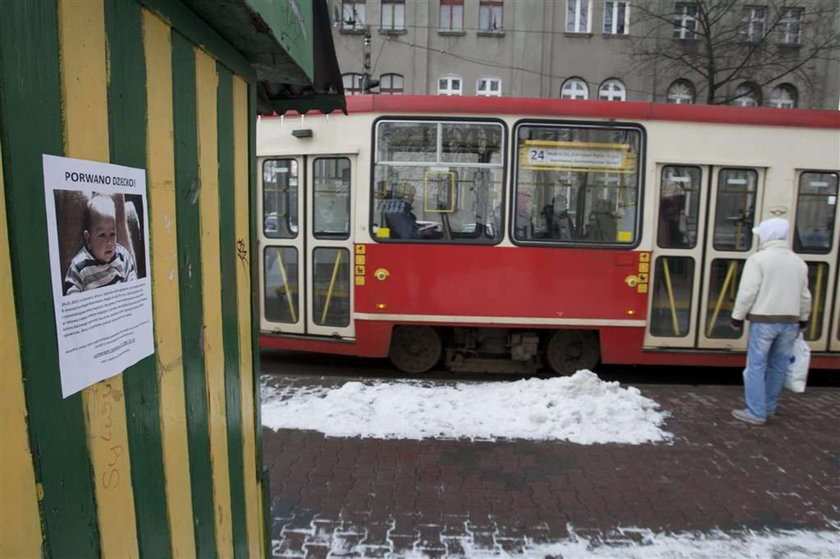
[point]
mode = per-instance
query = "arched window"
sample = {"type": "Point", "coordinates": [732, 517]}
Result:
{"type": "Point", "coordinates": [747, 95]}
{"type": "Point", "coordinates": [682, 92]}
{"type": "Point", "coordinates": [450, 85]}
{"type": "Point", "coordinates": [574, 88]}
{"type": "Point", "coordinates": [352, 83]}
{"type": "Point", "coordinates": [784, 97]}
{"type": "Point", "coordinates": [612, 90]}
{"type": "Point", "coordinates": [489, 87]}
{"type": "Point", "coordinates": [391, 84]}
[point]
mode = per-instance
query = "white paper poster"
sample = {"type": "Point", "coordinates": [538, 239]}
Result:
{"type": "Point", "coordinates": [97, 225]}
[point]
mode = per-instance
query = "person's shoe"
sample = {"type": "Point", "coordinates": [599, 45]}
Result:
{"type": "Point", "coordinates": [747, 417]}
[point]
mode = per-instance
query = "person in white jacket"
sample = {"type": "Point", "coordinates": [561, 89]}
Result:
{"type": "Point", "coordinates": [774, 297]}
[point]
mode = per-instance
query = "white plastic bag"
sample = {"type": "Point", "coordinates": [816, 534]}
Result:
{"type": "Point", "coordinates": [800, 359]}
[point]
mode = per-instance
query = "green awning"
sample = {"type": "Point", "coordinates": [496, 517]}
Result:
{"type": "Point", "coordinates": [288, 43]}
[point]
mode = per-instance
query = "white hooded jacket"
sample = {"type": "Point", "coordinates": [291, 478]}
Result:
{"type": "Point", "coordinates": [774, 285]}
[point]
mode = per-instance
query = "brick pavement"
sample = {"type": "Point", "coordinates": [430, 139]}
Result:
{"type": "Point", "coordinates": [375, 498]}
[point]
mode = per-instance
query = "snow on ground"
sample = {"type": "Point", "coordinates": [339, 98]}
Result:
{"type": "Point", "coordinates": [580, 408]}
{"type": "Point", "coordinates": [646, 544]}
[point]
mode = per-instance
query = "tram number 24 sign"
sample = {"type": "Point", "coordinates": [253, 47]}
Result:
{"type": "Point", "coordinates": [573, 156]}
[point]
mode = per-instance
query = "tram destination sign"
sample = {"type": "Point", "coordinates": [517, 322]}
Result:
{"type": "Point", "coordinates": [587, 157]}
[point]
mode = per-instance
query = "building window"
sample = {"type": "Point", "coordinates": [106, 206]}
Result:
{"type": "Point", "coordinates": [616, 17]}
{"type": "Point", "coordinates": [451, 15]}
{"type": "Point", "coordinates": [747, 95]}
{"type": "Point", "coordinates": [574, 88]}
{"type": "Point", "coordinates": [752, 23]}
{"type": "Point", "coordinates": [353, 15]}
{"type": "Point", "coordinates": [490, 15]}
{"type": "Point", "coordinates": [790, 26]}
{"type": "Point", "coordinates": [352, 83]}
{"type": "Point", "coordinates": [450, 85]}
{"type": "Point", "coordinates": [489, 87]}
{"type": "Point", "coordinates": [685, 20]}
{"type": "Point", "coordinates": [391, 84]}
{"type": "Point", "coordinates": [577, 16]}
{"type": "Point", "coordinates": [612, 90]}
{"type": "Point", "coordinates": [682, 92]}
{"type": "Point", "coordinates": [784, 97]}
{"type": "Point", "coordinates": [393, 15]}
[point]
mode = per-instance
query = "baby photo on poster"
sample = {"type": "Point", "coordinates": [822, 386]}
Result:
{"type": "Point", "coordinates": [99, 261]}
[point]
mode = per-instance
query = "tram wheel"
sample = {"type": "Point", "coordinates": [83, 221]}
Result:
{"type": "Point", "coordinates": [415, 349]}
{"type": "Point", "coordinates": [571, 350]}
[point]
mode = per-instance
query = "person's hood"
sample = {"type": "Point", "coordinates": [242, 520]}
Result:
{"type": "Point", "coordinates": [773, 229]}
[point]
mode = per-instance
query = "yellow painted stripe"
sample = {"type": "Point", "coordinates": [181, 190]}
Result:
{"type": "Point", "coordinates": [206, 83]}
{"type": "Point", "coordinates": [84, 96]}
{"type": "Point", "coordinates": [253, 495]}
{"type": "Point", "coordinates": [161, 179]}
{"type": "Point", "coordinates": [20, 526]}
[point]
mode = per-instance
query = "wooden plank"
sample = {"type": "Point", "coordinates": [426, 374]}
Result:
{"type": "Point", "coordinates": [84, 95]}
{"type": "Point", "coordinates": [230, 327]}
{"type": "Point", "coordinates": [30, 109]}
{"type": "Point", "coordinates": [127, 122]}
{"type": "Point", "coordinates": [164, 241]}
{"type": "Point", "coordinates": [20, 526]}
{"type": "Point", "coordinates": [187, 191]}
{"type": "Point", "coordinates": [208, 164]}
{"type": "Point", "coordinates": [244, 142]}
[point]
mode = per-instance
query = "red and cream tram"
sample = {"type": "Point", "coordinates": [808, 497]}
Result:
{"type": "Point", "coordinates": [507, 235]}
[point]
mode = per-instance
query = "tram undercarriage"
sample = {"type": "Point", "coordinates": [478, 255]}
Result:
{"type": "Point", "coordinates": [417, 349]}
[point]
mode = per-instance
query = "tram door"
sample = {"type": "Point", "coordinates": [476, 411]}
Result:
{"type": "Point", "coordinates": [305, 245]}
{"type": "Point", "coordinates": [704, 235]}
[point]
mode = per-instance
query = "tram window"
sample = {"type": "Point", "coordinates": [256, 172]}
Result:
{"type": "Point", "coordinates": [670, 313]}
{"type": "Point", "coordinates": [280, 277]}
{"type": "Point", "coordinates": [280, 192]}
{"type": "Point", "coordinates": [679, 203]}
{"type": "Point", "coordinates": [577, 185]}
{"type": "Point", "coordinates": [331, 208]}
{"type": "Point", "coordinates": [438, 181]}
{"type": "Point", "coordinates": [724, 277]}
{"type": "Point", "coordinates": [815, 209]}
{"type": "Point", "coordinates": [331, 286]}
{"type": "Point", "coordinates": [736, 195]}
{"type": "Point", "coordinates": [817, 284]}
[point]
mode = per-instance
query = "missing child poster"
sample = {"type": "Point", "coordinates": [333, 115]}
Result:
{"type": "Point", "coordinates": [97, 226]}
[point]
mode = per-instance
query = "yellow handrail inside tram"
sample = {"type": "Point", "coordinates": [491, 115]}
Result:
{"type": "Point", "coordinates": [669, 288]}
{"type": "Point", "coordinates": [332, 286]}
{"type": "Point", "coordinates": [286, 283]}
{"type": "Point", "coordinates": [729, 273]}
{"type": "Point", "coordinates": [815, 305]}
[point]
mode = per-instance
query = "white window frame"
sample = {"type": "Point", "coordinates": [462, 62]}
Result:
{"type": "Point", "coordinates": [390, 89]}
{"type": "Point", "coordinates": [452, 8]}
{"type": "Point", "coordinates": [488, 12]}
{"type": "Point", "coordinates": [571, 89]}
{"type": "Point", "coordinates": [682, 98]}
{"type": "Point", "coordinates": [791, 100]}
{"type": "Point", "coordinates": [611, 8]}
{"type": "Point", "coordinates": [790, 27]}
{"type": "Point", "coordinates": [353, 11]}
{"type": "Point", "coordinates": [576, 7]}
{"type": "Point", "coordinates": [449, 89]}
{"type": "Point", "coordinates": [488, 90]}
{"type": "Point", "coordinates": [685, 20]}
{"type": "Point", "coordinates": [751, 96]}
{"type": "Point", "coordinates": [392, 17]}
{"type": "Point", "coordinates": [612, 90]}
{"type": "Point", "coordinates": [753, 19]}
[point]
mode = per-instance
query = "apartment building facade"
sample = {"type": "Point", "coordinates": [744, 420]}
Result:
{"type": "Point", "coordinates": [579, 49]}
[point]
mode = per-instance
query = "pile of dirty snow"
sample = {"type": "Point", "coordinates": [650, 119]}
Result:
{"type": "Point", "coordinates": [580, 408]}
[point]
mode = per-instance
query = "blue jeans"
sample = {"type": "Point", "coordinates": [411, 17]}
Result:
{"type": "Point", "coordinates": [768, 356]}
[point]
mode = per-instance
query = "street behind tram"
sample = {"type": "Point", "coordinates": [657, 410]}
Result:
{"type": "Point", "coordinates": [682, 476]}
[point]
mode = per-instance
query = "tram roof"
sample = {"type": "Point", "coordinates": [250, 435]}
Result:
{"type": "Point", "coordinates": [544, 107]}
